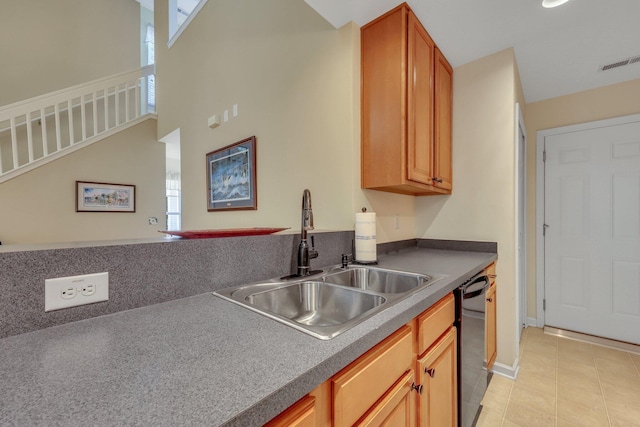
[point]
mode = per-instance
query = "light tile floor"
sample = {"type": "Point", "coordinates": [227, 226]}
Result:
{"type": "Point", "coordinates": [563, 382]}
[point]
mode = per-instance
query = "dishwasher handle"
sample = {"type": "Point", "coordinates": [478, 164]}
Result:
{"type": "Point", "coordinates": [467, 294]}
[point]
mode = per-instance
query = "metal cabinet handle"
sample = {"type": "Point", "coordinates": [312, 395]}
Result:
{"type": "Point", "coordinates": [416, 387]}
{"type": "Point", "coordinates": [489, 299]}
{"type": "Point", "coordinates": [436, 179]}
{"type": "Point", "coordinates": [430, 371]}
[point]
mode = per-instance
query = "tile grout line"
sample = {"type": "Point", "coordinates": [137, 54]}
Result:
{"type": "Point", "coordinates": [595, 363]}
{"type": "Point", "coordinates": [556, 377]}
{"type": "Point", "coordinates": [504, 413]}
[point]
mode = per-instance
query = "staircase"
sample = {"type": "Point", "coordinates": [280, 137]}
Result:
{"type": "Point", "coordinates": [41, 129]}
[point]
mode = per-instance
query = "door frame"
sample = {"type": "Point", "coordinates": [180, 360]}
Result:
{"type": "Point", "coordinates": [540, 193]}
{"type": "Point", "coordinates": [521, 257]}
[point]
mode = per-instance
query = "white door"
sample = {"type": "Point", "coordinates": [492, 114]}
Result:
{"type": "Point", "coordinates": [592, 239]}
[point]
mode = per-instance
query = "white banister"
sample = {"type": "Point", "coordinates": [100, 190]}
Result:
{"type": "Point", "coordinates": [14, 141]}
{"type": "Point", "coordinates": [56, 112]}
{"type": "Point", "coordinates": [117, 98]}
{"type": "Point", "coordinates": [103, 93]}
{"type": "Point", "coordinates": [43, 121]}
{"type": "Point", "coordinates": [95, 113]}
{"type": "Point", "coordinates": [106, 109]}
{"type": "Point", "coordinates": [83, 118]}
{"type": "Point", "coordinates": [27, 123]}
{"type": "Point", "coordinates": [70, 116]}
{"type": "Point", "coordinates": [126, 101]}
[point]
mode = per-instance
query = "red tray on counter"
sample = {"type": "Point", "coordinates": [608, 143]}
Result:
{"type": "Point", "coordinates": [228, 232]}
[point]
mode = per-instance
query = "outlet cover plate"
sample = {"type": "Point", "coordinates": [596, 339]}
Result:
{"type": "Point", "coordinates": [84, 289]}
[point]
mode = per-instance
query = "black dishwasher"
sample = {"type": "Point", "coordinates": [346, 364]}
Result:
{"type": "Point", "coordinates": [473, 376]}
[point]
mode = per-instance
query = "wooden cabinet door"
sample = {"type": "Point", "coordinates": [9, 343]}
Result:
{"type": "Point", "coordinates": [442, 167]}
{"type": "Point", "coordinates": [420, 97]}
{"type": "Point", "coordinates": [490, 325]}
{"type": "Point", "coordinates": [300, 414]}
{"type": "Point", "coordinates": [438, 405]}
{"type": "Point", "coordinates": [383, 98]}
{"type": "Point", "coordinates": [357, 388]}
{"type": "Point", "coordinates": [396, 408]}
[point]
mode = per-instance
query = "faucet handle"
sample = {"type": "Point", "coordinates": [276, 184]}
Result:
{"type": "Point", "coordinates": [312, 252]}
{"type": "Point", "coordinates": [345, 260]}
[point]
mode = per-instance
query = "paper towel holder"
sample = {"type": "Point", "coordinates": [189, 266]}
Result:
{"type": "Point", "coordinates": [353, 249]}
{"type": "Point", "coordinates": [353, 257]}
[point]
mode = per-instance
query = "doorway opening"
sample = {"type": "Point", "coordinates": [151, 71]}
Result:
{"type": "Point", "coordinates": [173, 181]}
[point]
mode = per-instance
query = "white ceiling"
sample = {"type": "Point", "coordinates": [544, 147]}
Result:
{"type": "Point", "coordinates": [558, 51]}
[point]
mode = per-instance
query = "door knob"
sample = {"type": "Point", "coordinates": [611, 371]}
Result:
{"type": "Point", "coordinates": [417, 387]}
{"type": "Point", "coordinates": [430, 371]}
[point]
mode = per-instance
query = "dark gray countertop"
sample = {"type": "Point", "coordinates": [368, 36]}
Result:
{"type": "Point", "coordinates": [195, 361]}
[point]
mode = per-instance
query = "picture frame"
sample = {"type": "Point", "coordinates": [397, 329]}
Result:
{"type": "Point", "coordinates": [105, 197]}
{"type": "Point", "coordinates": [231, 177]}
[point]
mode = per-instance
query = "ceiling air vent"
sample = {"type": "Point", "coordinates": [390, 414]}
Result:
{"type": "Point", "coordinates": [620, 63]}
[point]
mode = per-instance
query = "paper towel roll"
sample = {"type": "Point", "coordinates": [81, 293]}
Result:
{"type": "Point", "coordinates": [366, 237]}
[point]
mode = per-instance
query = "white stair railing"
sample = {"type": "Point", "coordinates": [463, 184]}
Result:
{"type": "Point", "coordinates": [41, 129]}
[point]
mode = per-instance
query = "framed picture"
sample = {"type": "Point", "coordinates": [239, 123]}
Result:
{"type": "Point", "coordinates": [103, 197]}
{"type": "Point", "coordinates": [231, 177]}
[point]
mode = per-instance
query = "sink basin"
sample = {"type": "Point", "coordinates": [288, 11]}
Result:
{"type": "Point", "coordinates": [321, 309]}
{"type": "Point", "coordinates": [379, 280]}
{"type": "Point", "coordinates": [316, 303]}
{"type": "Point", "coordinates": [330, 302]}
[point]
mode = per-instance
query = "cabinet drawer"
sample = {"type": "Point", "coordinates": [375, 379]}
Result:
{"type": "Point", "coordinates": [361, 384]}
{"type": "Point", "coordinates": [435, 322]}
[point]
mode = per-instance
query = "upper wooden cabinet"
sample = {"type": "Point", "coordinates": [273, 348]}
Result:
{"type": "Point", "coordinates": [406, 107]}
{"type": "Point", "coordinates": [443, 171]}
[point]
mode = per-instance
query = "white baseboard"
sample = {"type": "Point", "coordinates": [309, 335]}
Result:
{"type": "Point", "coordinates": [532, 321]}
{"type": "Point", "coordinates": [506, 371]}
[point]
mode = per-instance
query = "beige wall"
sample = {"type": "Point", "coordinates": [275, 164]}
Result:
{"type": "Point", "coordinates": [296, 81]}
{"type": "Point", "coordinates": [50, 45]}
{"type": "Point", "coordinates": [39, 206]}
{"type": "Point", "coordinates": [482, 205]}
{"type": "Point", "coordinates": [617, 100]}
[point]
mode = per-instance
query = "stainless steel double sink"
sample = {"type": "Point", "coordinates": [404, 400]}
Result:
{"type": "Point", "coordinates": [331, 302]}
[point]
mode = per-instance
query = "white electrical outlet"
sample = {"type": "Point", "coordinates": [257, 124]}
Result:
{"type": "Point", "coordinates": [63, 292]}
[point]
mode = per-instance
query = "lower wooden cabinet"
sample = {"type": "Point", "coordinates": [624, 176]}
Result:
{"type": "Point", "coordinates": [396, 407]}
{"type": "Point", "coordinates": [357, 388]}
{"type": "Point", "coordinates": [408, 379]}
{"type": "Point", "coordinates": [490, 325]}
{"type": "Point", "coordinates": [439, 396]}
{"type": "Point", "coordinates": [490, 318]}
{"type": "Point", "coordinates": [300, 414]}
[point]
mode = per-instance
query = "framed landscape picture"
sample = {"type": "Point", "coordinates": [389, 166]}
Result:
{"type": "Point", "coordinates": [103, 197]}
{"type": "Point", "coordinates": [231, 177]}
